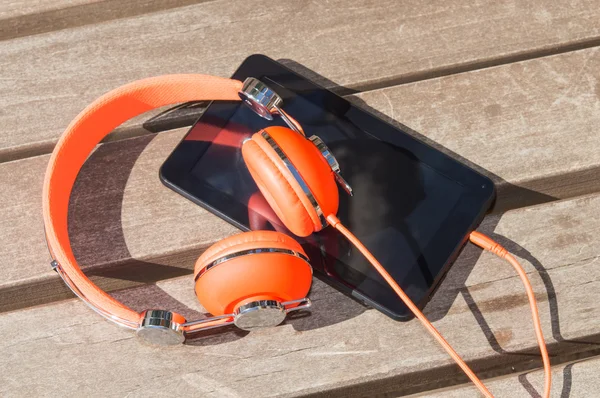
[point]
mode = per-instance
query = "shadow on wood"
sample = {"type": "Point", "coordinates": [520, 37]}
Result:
{"type": "Point", "coordinates": [510, 196]}
{"type": "Point", "coordinates": [97, 237]}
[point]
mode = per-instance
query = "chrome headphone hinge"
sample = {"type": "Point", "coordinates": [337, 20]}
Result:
{"type": "Point", "coordinates": [302, 305]}
{"type": "Point", "coordinates": [265, 102]}
{"type": "Point", "coordinates": [250, 316]}
{"type": "Point", "coordinates": [333, 163]}
{"type": "Point", "coordinates": [343, 183]}
{"type": "Point", "coordinates": [200, 324]}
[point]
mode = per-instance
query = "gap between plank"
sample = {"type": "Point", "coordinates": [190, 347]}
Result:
{"type": "Point", "coordinates": [84, 14]}
{"type": "Point", "coordinates": [49, 288]}
{"type": "Point", "coordinates": [472, 66]}
{"type": "Point", "coordinates": [447, 376]}
{"type": "Point", "coordinates": [186, 116]}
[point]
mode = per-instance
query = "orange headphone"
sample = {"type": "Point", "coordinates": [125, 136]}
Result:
{"type": "Point", "coordinates": [252, 279]}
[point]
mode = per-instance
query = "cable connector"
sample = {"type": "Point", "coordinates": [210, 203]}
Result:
{"type": "Point", "coordinates": [488, 244]}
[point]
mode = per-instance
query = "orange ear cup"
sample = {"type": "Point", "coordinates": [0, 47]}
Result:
{"type": "Point", "coordinates": [251, 277]}
{"type": "Point", "coordinates": [281, 188]}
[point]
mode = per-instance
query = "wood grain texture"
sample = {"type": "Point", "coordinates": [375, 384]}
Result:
{"type": "Point", "coordinates": [24, 18]}
{"type": "Point", "coordinates": [341, 348]}
{"type": "Point", "coordinates": [18, 8]}
{"type": "Point", "coordinates": [531, 126]}
{"type": "Point", "coordinates": [119, 212]}
{"type": "Point", "coordinates": [579, 379]}
{"type": "Point", "coordinates": [124, 219]}
{"type": "Point", "coordinates": [46, 79]}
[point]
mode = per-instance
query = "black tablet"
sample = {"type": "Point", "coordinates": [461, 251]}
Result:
{"type": "Point", "coordinates": [413, 206]}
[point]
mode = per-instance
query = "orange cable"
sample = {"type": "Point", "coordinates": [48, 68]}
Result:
{"type": "Point", "coordinates": [485, 243]}
{"type": "Point", "coordinates": [335, 222]}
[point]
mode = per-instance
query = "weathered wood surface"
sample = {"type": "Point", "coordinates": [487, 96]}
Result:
{"type": "Point", "coordinates": [134, 216]}
{"type": "Point", "coordinates": [20, 8]}
{"type": "Point", "coordinates": [46, 79]}
{"type": "Point", "coordinates": [128, 215]}
{"type": "Point", "coordinates": [531, 126]}
{"type": "Point", "coordinates": [481, 294]}
{"type": "Point", "coordinates": [579, 379]}
{"type": "Point", "coordinates": [23, 18]}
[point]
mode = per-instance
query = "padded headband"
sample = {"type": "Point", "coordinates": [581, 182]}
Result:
{"type": "Point", "coordinates": [81, 137]}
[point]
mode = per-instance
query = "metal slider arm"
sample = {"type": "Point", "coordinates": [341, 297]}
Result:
{"type": "Point", "coordinates": [228, 319]}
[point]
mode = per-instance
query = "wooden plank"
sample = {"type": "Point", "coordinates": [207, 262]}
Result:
{"type": "Point", "coordinates": [18, 8]}
{"type": "Point", "coordinates": [47, 79]}
{"type": "Point", "coordinates": [112, 221]}
{"type": "Point", "coordinates": [496, 142]}
{"type": "Point", "coordinates": [574, 379]}
{"type": "Point", "coordinates": [531, 126]}
{"type": "Point", "coordinates": [24, 18]}
{"type": "Point", "coordinates": [341, 347]}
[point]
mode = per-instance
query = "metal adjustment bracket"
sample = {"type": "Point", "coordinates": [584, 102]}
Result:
{"type": "Point", "coordinates": [302, 305]}
{"type": "Point", "coordinates": [162, 327]}
{"type": "Point", "coordinates": [333, 163]}
{"type": "Point", "coordinates": [266, 313]}
{"type": "Point", "coordinates": [250, 316]}
{"type": "Point", "coordinates": [264, 101]}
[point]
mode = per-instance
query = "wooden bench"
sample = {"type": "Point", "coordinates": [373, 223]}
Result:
{"type": "Point", "coordinates": [513, 90]}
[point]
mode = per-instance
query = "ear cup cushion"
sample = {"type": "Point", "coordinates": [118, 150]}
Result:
{"type": "Point", "coordinates": [311, 164]}
{"type": "Point", "coordinates": [279, 187]}
{"type": "Point", "coordinates": [285, 171]}
{"type": "Point", "coordinates": [262, 276]}
{"type": "Point", "coordinates": [246, 241]}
